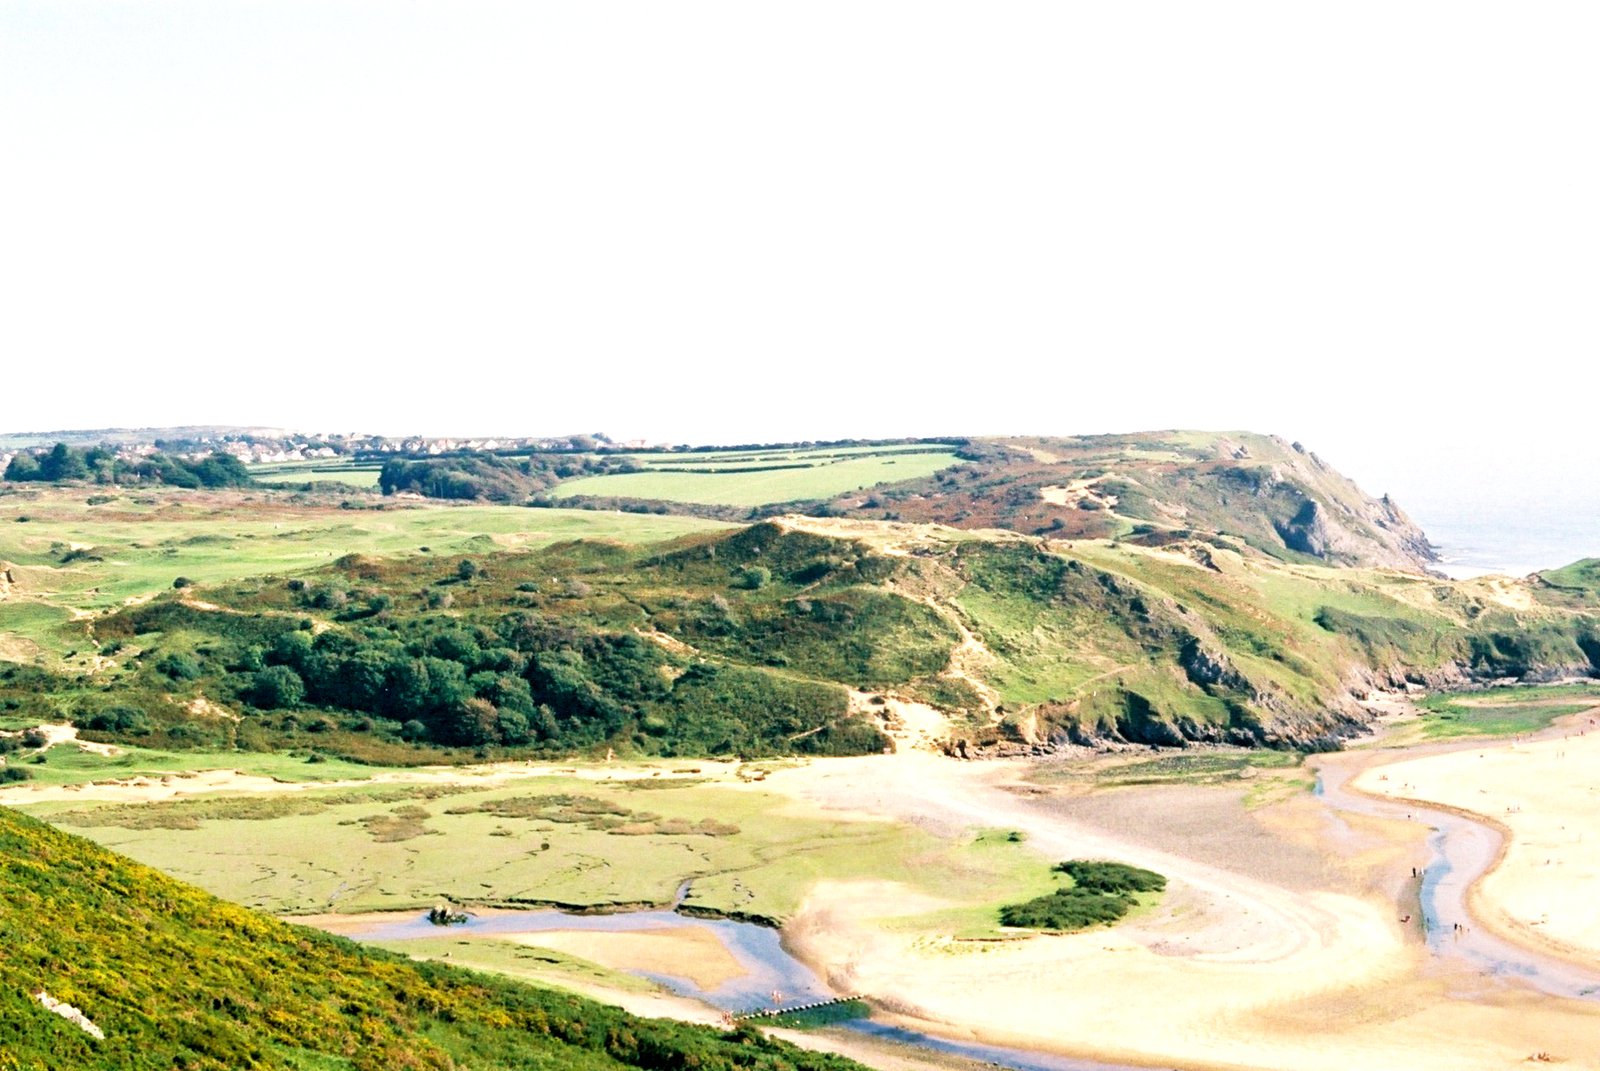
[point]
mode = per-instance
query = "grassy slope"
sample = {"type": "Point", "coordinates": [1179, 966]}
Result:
{"type": "Point", "coordinates": [1577, 584]}
{"type": "Point", "coordinates": [1281, 642]}
{"type": "Point", "coordinates": [177, 978]}
{"type": "Point", "coordinates": [1193, 639]}
{"type": "Point", "coordinates": [1155, 486]}
{"type": "Point", "coordinates": [136, 546]}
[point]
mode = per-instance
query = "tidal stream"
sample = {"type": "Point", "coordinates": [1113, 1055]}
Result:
{"type": "Point", "coordinates": [1462, 850]}
{"type": "Point", "coordinates": [768, 968]}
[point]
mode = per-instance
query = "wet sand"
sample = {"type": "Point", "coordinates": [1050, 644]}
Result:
{"type": "Point", "coordinates": [1543, 795]}
{"type": "Point", "coordinates": [686, 952]}
{"type": "Point", "coordinates": [1263, 955]}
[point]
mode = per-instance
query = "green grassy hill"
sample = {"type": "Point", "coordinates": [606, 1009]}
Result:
{"type": "Point", "coordinates": [750, 641]}
{"type": "Point", "coordinates": [175, 978]}
{"type": "Point", "coordinates": [1157, 487]}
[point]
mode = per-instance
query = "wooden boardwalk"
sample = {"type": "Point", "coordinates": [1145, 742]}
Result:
{"type": "Point", "coordinates": [773, 1013]}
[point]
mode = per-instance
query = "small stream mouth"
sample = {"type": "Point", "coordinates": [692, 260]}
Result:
{"type": "Point", "coordinates": [1461, 851]}
{"type": "Point", "coordinates": [770, 971]}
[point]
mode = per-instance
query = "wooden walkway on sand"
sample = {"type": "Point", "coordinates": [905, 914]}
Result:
{"type": "Point", "coordinates": [773, 1013]}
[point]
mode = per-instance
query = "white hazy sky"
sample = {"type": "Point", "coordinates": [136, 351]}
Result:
{"type": "Point", "coordinates": [1372, 226]}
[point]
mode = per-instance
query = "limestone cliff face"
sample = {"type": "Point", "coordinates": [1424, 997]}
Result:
{"type": "Point", "coordinates": [1338, 522]}
{"type": "Point", "coordinates": [1257, 490]}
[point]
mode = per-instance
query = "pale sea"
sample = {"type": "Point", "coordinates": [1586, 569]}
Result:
{"type": "Point", "coordinates": [1490, 532]}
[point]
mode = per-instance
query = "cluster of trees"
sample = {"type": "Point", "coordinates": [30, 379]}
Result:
{"type": "Point", "coordinates": [529, 681]}
{"type": "Point", "coordinates": [443, 688]}
{"type": "Point", "coordinates": [63, 462]}
{"type": "Point", "coordinates": [491, 477]}
{"type": "Point", "coordinates": [522, 680]}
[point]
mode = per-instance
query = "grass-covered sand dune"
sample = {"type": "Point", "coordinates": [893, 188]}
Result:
{"type": "Point", "coordinates": [794, 636]}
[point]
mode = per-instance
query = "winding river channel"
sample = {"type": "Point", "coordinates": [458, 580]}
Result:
{"type": "Point", "coordinates": [768, 968]}
{"type": "Point", "coordinates": [1462, 851]}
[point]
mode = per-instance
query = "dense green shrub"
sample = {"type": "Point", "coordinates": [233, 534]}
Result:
{"type": "Point", "coordinates": [277, 687]}
{"type": "Point", "coordinates": [1101, 893]}
{"type": "Point", "coordinates": [178, 666]}
{"type": "Point", "coordinates": [1104, 877]}
{"type": "Point", "coordinates": [1065, 910]}
{"type": "Point", "coordinates": [753, 578]}
{"type": "Point", "coordinates": [119, 718]}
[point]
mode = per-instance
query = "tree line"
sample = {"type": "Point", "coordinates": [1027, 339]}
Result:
{"type": "Point", "coordinates": [63, 463]}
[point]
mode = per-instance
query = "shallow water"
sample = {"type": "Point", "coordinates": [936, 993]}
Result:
{"type": "Point", "coordinates": [1462, 851]}
{"type": "Point", "coordinates": [759, 949]}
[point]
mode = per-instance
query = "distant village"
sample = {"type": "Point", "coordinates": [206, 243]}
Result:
{"type": "Point", "coordinates": [263, 447]}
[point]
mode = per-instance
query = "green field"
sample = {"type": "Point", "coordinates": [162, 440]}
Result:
{"type": "Point", "coordinates": [818, 455]}
{"type": "Point", "coordinates": [818, 475]}
{"type": "Point", "coordinates": [1503, 711]}
{"type": "Point", "coordinates": [68, 557]}
{"type": "Point", "coordinates": [364, 476]}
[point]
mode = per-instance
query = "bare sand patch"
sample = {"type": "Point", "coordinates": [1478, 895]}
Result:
{"type": "Point", "coordinates": [912, 725]}
{"type": "Point", "coordinates": [157, 788]}
{"type": "Point", "coordinates": [1077, 492]}
{"type": "Point", "coordinates": [14, 648]}
{"type": "Point", "coordinates": [1250, 961]}
{"type": "Point", "coordinates": [691, 952]}
{"type": "Point", "coordinates": [63, 733]}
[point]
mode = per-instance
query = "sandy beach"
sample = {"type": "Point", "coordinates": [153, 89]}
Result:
{"type": "Point", "coordinates": [1241, 967]}
{"type": "Point", "coordinates": [159, 788]}
{"type": "Point", "coordinates": [1544, 795]}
